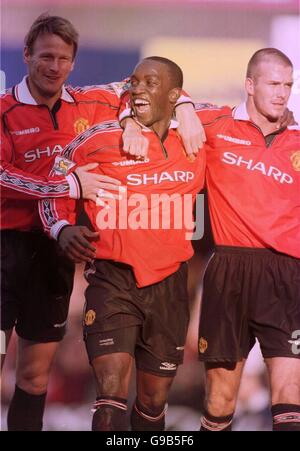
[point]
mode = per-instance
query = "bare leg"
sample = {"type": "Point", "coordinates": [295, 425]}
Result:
{"type": "Point", "coordinates": [112, 373]}
{"type": "Point", "coordinates": [148, 413]}
{"type": "Point", "coordinates": [284, 374]}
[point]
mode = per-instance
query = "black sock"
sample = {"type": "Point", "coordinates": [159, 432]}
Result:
{"type": "Point", "coordinates": [26, 411]}
{"type": "Point", "coordinates": [142, 419]}
{"type": "Point", "coordinates": [211, 423]}
{"type": "Point", "coordinates": [109, 414]}
{"type": "Point", "coordinates": [286, 417]}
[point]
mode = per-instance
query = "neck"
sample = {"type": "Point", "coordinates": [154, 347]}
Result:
{"type": "Point", "coordinates": [42, 98]}
{"type": "Point", "coordinates": [161, 127]}
{"type": "Point", "coordinates": [266, 126]}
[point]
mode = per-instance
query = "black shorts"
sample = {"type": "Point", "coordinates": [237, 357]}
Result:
{"type": "Point", "coordinates": [150, 323]}
{"type": "Point", "coordinates": [249, 293]}
{"type": "Point", "coordinates": [36, 285]}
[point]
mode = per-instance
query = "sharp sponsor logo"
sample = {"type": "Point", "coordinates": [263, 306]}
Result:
{"type": "Point", "coordinates": [231, 139]}
{"type": "Point", "coordinates": [251, 165]}
{"type": "Point", "coordinates": [130, 162]}
{"type": "Point", "coordinates": [157, 178]}
{"type": "Point", "coordinates": [27, 131]}
{"type": "Point", "coordinates": [36, 154]}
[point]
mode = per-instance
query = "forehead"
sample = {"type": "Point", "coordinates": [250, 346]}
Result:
{"type": "Point", "coordinates": [151, 68]}
{"type": "Point", "coordinates": [51, 42]}
{"type": "Point", "coordinates": [273, 69]}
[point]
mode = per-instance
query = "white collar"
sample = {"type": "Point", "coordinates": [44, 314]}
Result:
{"type": "Point", "coordinates": [23, 94]}
{"type": "Point", "coordinates": [240, 113]}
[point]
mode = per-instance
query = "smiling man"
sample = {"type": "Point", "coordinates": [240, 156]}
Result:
{"type": "Point", "coordinates": [137, 304]}
{"type": "Point", "coordinates": [39, 116]}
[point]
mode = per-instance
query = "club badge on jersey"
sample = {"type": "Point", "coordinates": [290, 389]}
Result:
{"type": "Point", "coordinates": [81, 125]}
{"type": "Point", "coordinates": [295, 159]}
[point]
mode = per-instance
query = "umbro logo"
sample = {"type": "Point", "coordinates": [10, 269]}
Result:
{"type": "Point", "coordinates": [106, 342]}
{"type": "Point", "coordinates": [234, 140]}
{"type": "Point", "coordinates": [60, 324]}
{"type": "Point", "coordinates": [27, 131]}
{"type": "Point", "coordinates": [130, 162]}
{"type": "Point", "coordinates": [168, 366]}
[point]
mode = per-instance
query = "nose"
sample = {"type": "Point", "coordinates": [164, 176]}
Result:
{"type": "Point", "coordinates": [281, 91]}
{"type": "Point", "coordinates": [138, 88]}
{"type": "Point", "coordinates": [54, 65]}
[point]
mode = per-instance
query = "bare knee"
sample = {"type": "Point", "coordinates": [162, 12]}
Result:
{"type": "Point", "coordinates": [153, 392]}
{"type": "Point", "coordinates": [33, 379]}
{"type": "Point", "coordinates": [284, 375]}
{"type": "Point", "coordinates": [221, 401]}
{"type": "Point", "coordinates": [289, 393]}
{"type": "Point", "coordinates": [222, 387]}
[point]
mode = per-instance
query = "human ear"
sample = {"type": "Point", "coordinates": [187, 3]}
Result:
{"type": "Point", "coordinates": [174, 95]}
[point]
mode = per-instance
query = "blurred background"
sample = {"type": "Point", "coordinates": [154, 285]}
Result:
{"type": "Point", "coordinates": [212, 41]}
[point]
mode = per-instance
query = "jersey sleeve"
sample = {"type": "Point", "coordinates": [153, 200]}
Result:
{"type": "Point", "coordinates": [109, 94]}
{"type": "Point", "coordinates": [57, 213]}
{"type": "Point", "coordinates": [18, 184]}
{"type": "Point", "coordinates": [207, 112]}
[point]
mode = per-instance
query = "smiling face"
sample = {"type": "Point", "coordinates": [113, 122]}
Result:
{"type": "Point", "coordinates": [152, 94]}
{"type": "Point", "coordinates": [49, 65]}
{"type": "Point", "coordinates": [269, 89]}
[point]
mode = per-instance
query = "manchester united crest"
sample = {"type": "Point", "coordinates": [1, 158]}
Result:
{"type": "Point", "coordinates": [81, 125]}
{"type": "Point", "coordinates": [90, 317]}
{"type": "Point", "coordinates": [295, 159]}
{"type": "Point", "coordinates": [202, 345]}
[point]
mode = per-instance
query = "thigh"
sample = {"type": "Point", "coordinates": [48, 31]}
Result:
{"type": "Point", "coordinates": [112, 374]}
{"type": "Point", "coordinates": [275, 312]}
{"type": "Point", "coordinates": [110, 299]}
{"type": "Point", "coordinates": [115, 341]}
{"type": "Point", "coordinates": [224, 333]}
{"type": "Point", "coordinates": [222, 385]}
{"type": "Point", "coordinates": [161, 343]}
{"type": "Point", "coordinates": [284, 374]}
{"type": "Point", "coordinates": [43, 314]}
{"type": "Point", "coordinates": [16, 253]}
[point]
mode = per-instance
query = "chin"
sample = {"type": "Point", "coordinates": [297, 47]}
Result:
{"type": "Point", "coordinates": [272, 117]}
{"type": "Point", "coordinates": [147, 122]}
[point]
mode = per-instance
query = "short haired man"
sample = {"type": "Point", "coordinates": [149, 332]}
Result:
{"type": "Point", "coordinates": [252, 283]}
{"type": "Point", "coordinates": [137, 305]}
{"type": "Point", "coordinates": [39, 116]}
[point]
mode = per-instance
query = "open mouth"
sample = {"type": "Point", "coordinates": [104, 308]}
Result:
{"type": "Point", "coordinates": [141, 106]}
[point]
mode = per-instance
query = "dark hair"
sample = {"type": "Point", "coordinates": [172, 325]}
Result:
{"type": "Point", "coordinates": [46, 24]}
{"type": "Point", "coordinates": [175, 72]}
{"type": "Point", "coordinates": [265, 54]}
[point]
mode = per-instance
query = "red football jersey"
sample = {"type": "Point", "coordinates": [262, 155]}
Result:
{"type": "Point", "coordinates": [32, 136]}
{"type": "Point", "coordinates": [253, 188]}
{"type": "Point", "coordinates": [132, 230]}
